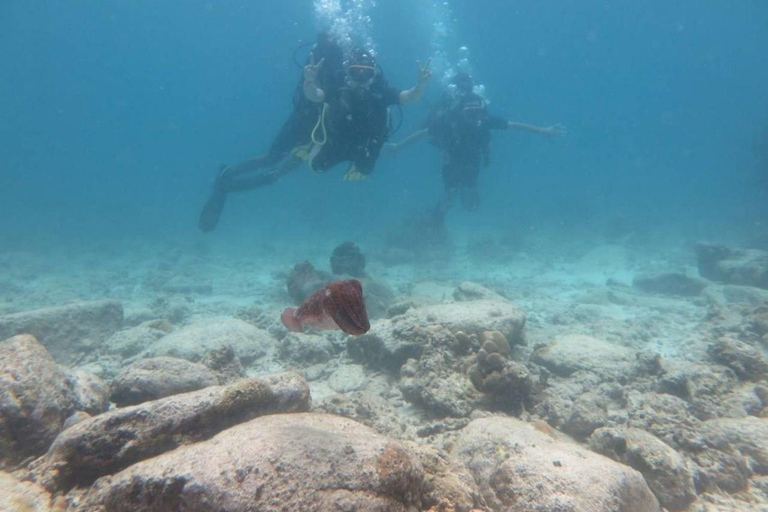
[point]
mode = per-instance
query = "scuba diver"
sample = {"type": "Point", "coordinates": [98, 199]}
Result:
{"type": "Point", "coordinates": [341, 114]}
{"type": "Point", "coordinates": [460, 127]}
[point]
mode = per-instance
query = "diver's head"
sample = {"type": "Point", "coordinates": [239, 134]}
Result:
{"type": "Point", "coordinates": [361, 69]}
{"type": "Point", "coordinates": [463, 83]}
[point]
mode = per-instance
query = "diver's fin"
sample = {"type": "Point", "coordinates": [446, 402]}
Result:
{"type": "Point", "coordinates": [209, 217]}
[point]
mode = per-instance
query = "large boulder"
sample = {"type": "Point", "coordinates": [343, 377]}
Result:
{"type": "Point", "coordinates": [665, 470]}
{"type": "Point", "coordinates": [37, 396]}
{"type": "Point", "coordinates": [193, 341]}
{"type": "Point", "coordinates": [522, 469]}
{"type": "Point", "coordinates": [158, 377]}
{"type": "Point", "coordinates": [70, 331]}
{"type": "Point", "coordinates": [748, 267]}
{"type": "Point", "coordinates": [280, 462]}
{"type": "Point", "coordinates": [16, 496]}
{"type": "Point", "coordinates": [114, 440]}
{"type": "Point", "coordinates": [570, 353]}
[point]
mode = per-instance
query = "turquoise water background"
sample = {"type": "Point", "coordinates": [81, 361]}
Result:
{"type": "Point", "coordinates": [114, 116]}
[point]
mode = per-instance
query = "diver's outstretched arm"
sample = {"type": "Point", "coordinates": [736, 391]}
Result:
{"type": "Point", "coordinates": [557, 130]}
{"type": "Point", "coordinates": [413, 95]}
{"type": "Point", "coordinates": [411, 139]}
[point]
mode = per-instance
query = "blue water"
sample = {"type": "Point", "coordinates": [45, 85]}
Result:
{"type": "Point", "coordinates": [115, 115]}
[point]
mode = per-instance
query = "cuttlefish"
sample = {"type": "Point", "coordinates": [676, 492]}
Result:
{"type": "Point", "coordinates": [338, 305]}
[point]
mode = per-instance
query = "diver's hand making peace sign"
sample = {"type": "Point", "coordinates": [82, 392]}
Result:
{"type": "Point", "coordinates": [424, 72]}
{"type": "Point", "coordinates": [311, 70]}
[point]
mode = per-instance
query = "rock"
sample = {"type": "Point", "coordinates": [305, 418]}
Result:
{"type": "Point", "coordinates": [468, 291]}
{"type": "Point", "coordinates": [663, 468]}
{"type": "Point", "coordinates": [680, 425]}
{"type": "Point", "coordinates": [16, 496]}
{"type": "Point", "coordinates": [193, 341]}
{"type": "Point", "coordinates": [669, 283]}
{"type": "Point", "coordinates": [279, 462]}
{"type": "Point", "coordinates": [114, 440]}
{"type": "Point", "coordinates": [747, 361]}
{"type": "Point", "coordinates": [391, 342]}
{"type": "Point", "coordinates": [36, 398]}
{"type": "Point", "coordinates": [347, 259]}
{"type": "Point", "coordinates": [748, 267]}
{"type": "Point", "coordinates": [519, 468]}
{"type": "Point", "coordinates": [133, 341]}
{"type": "Point", "coordinates": [747, 437]}
{"type": "Point", "coordinates": [440, 392]}
{"type": "Point", "coordinates": [447, 483]}
{"type": "Point", "coordinates": [224, 363]}
{"type": "Point", "coordinates": [371, 410]}
{"type": "Point", "coordinates": [347, 378]}
{"type": "Point", "coordinates": [378, 297]}
{"type": "Point", "coordinates": [387, 346]}
{"type": "Point", "coordinates": [91, 392]}
{"type": "Point", "coordinates": [67, 332]}
{"type": "Point", "coordinates": [507, 383]}
{"type": "Point", "coordinates": [305, 349]}
{"type": "Point", "coordinates": [475, 317]}
{"type": "Point", "coordinates": [589, 412]}
{"type": "Point", "coordinates": [304, 280]}
{"type": "Point", "coordinates": [747, 294]}
{"type": "Point", "coordinates": [158, 377]}
{"type": "Point", "coordinates": [577, 352]}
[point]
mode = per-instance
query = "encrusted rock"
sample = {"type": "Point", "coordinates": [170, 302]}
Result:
{"type": "Point", "coordinates": [507, 383]}
{"type": "Point", "coordinates": [150, 379]}
{"type": "Point", "coordinates": [133, 341]}
{"type": "Point", "coordinates": [748, 362]}
{"type": "Point", "coordinates": [670, 283]}
{"type": "Point", "coordinates": [114, 440]}
{"type": "Point", "coordinates": [519, 468]}
{"type": "Point", "coordinates": [589, 412]}
{"type": "Point", "coordinates": [16, 496]}
{"type": "Point", "coordinates": [733, 266]}
{"type": "Point", "coordinates": [304, 280]}
{"type": "Point", "coordinates": [37, 396]}
{"type": "Point", "coordinates": [664, 469]}
{"type": "Point", "coordinates": [194, 340]}
{"type": "Point", "coordinates": [305, 349]}
{"type": "Point", "coordinates": [747, 437]}
{"type": "Point", "coordinates": [67, 332]}
{"type": "Point", "coordinates": [285, 462]}
{"type": "Point", "coordinates": [468, 291]}
{"type": "Point", "coordinates": [574, 352]}
{"type": "Point", "coordinates": [348, 259]}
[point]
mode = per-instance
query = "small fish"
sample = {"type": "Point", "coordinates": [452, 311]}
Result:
{"type": "Point", "coordinates": [338, 305]}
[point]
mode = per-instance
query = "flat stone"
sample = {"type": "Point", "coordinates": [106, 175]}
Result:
{"type": "Point", "coordinates": [67, 332]}
{"type": "Point", "coordinates": [570, 353]}
{"type": "Point", "coordinates": [193, 341]}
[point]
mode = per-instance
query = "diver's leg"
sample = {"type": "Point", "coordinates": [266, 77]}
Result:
{"type": "Point", "coordinates": [242, 183]}
{"type": "Point", "coordinates": [226, 183]}
{"type": "Point", "coordinates": [294, 132]}
{"type": "Point", "coordinates": [450, 189]}
{"type": "Point", "coordinates": [470, 199]}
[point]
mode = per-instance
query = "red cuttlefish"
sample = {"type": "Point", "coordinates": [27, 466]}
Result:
{"type": "Point", "coordinates": [338, 305]}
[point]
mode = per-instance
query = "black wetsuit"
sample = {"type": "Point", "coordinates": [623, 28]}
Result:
{"type": "Point", "coordinates": [357, 124]}
{"type": "Point", "coordinates": [462, 131]}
